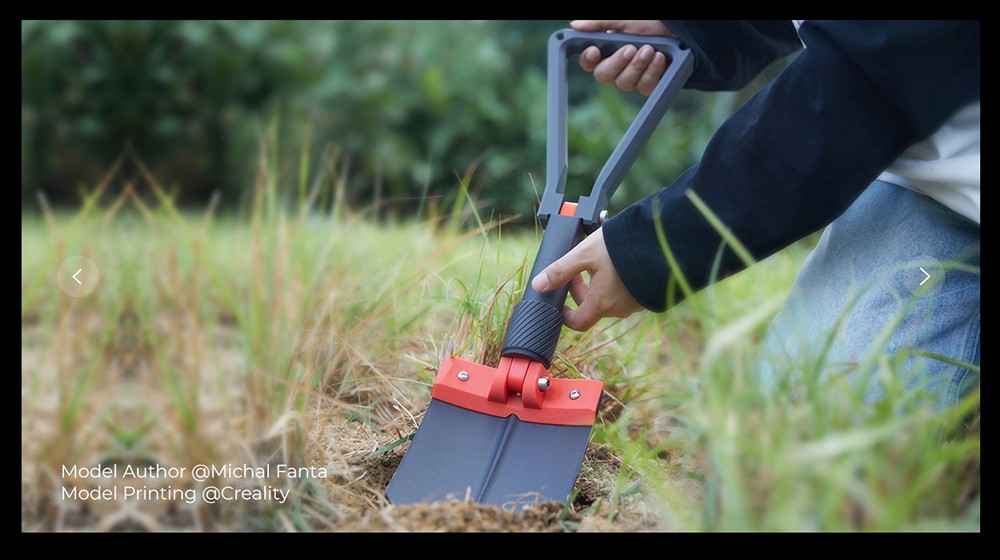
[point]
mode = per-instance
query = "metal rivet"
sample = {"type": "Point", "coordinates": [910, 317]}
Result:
{"type": "Point", "coordinates": [543, 383]}
{"type": "Point", "coordinates": [463, 375]}
{"type": "Point", "coordinates": [602, 217]}
{"type": "Point", "coordinates": [574, 394]}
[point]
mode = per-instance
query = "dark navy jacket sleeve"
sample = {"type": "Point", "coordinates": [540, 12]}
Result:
{"type": "Point", "coordinates": [794, 157]}
{"type": "Point", "coordinates": [728, 54]}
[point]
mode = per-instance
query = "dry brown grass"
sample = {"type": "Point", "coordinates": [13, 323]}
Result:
{"type": "Point", "coordinates": [294, 337]}
{"type": "Point", "coordinates": [289, 339]}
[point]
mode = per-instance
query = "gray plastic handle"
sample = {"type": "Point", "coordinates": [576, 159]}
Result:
{"type": "Point", "coordinates": [536, 321]}
{"type": "Point", "coordinates": [566, 43]}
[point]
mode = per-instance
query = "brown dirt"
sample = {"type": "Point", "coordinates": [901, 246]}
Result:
{"type": "Point", "coordinates": [362, 506]}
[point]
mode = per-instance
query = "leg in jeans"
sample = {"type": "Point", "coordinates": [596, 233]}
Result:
{"type": "Point", "coordinates": [859, 299]}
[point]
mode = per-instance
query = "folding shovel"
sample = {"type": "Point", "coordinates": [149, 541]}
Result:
{"type": "Point", "coordinates": [513, 435]}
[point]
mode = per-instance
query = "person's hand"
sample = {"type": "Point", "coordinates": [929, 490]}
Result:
{"type": "Point", "coordinates": [629, 68]}
{"type": "Point", "coordinates": [606, 296]}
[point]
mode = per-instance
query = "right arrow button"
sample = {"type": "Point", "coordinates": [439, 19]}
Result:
{"type": "Point", "coordinates": [927, 276]}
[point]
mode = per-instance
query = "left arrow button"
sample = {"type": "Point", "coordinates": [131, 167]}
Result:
{"type": "Point", "coordinates": [78, 276]}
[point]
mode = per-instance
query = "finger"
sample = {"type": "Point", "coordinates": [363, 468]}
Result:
{"type": "Point", "coordinates": [628, 78]}
{"type": "Point", "coordinates": [581, 318]}
{"type": "Point", "coordinates": [589, 58]}
{"type": "Point", "coordinates": [561, 272]}
{"type": "Point", "coordinates": [608, 69]}
{"type": "Point", "coordinates": [651, 77]}
{"type": "Point", "coordinates": [578, 289]}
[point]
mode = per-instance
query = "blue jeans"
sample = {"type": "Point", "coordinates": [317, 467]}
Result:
{"type": "Point", "coordinates": [861, 305]}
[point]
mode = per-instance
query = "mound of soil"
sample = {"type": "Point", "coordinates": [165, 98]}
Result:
{"type": "Point", "coordinates": [357, 491]}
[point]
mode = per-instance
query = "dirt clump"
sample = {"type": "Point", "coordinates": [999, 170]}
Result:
{"type": "Point", "coordinates": [362, 460]}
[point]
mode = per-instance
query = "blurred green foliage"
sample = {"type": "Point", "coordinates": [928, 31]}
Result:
{"type": "Point", "coordinates": [397, 108]}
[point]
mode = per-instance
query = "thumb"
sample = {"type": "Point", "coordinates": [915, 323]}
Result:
{"type": "Point", "coordinates": [599, 24]}
{"type": "Point", "coordinates": [561, 272]}
{"type": "Point", "coordinates": [631, 26]}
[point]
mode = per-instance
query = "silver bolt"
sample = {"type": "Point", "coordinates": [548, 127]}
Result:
{"type": "Point", "coordinates": [543, 383]}
{"type": "Point", "coordinates": [602, 217]}
{"type": "Point", "coordinates": [463, 375]}
{"type": "Point", "coordinates": [574, 394]}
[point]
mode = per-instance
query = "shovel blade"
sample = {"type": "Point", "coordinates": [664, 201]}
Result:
{"type": "Point", "coordinates": [460, 454]}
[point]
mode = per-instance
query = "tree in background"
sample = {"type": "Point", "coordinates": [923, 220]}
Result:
{"type": "Point", "coordinates": [399, 108]}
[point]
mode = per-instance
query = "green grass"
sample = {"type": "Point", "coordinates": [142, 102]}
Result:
{"type": "Point", "coordinates": [234, 334]}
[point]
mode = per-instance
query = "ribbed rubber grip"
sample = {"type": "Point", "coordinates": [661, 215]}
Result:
{"type": "Point", "coordinates": [533, 332]}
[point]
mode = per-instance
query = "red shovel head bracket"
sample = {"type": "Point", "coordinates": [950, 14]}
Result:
{"type": "Point", "coordinates": [513, 388]}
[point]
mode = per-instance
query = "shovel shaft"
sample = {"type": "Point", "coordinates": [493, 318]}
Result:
{"type": "Point", "coordinates": [534, 326]}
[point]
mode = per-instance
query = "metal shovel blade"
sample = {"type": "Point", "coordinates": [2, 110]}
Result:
{"type": "Point", "coordinates": [461, 454]}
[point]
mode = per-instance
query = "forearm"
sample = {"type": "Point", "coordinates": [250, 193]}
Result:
{"type": "Point", "coordinates": [795, 156]}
